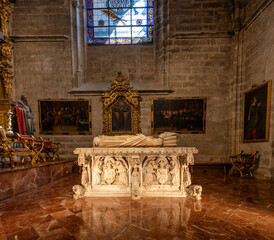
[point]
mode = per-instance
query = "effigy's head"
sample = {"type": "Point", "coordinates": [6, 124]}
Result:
{"type": "Point", "coordinates": [96, 142]}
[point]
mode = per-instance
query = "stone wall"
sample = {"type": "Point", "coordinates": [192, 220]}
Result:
{"type": "Point", "coordinates": [192, 55]}
{"type": "Point", "coordinates": [255, 64]}
{"type": "Point", "coordinates": [199, 60]}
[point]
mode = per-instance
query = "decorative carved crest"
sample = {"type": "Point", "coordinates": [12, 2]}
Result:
{"type": "Point", "coordinates": [161, 171]}
{"type": "Point", "coordinates": [110, 171]}
{"type": "Point", "coordinates": [121, 108]}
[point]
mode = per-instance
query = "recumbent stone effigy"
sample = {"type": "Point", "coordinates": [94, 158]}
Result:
{"type": "Point", "coordinates": [136, 166]}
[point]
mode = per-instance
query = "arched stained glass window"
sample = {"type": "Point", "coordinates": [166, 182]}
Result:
{"type": "Point", "coordinates": [120, 21]}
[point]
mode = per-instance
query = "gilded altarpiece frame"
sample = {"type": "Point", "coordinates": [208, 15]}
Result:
{"type": "Point", "coordinates": [121, 108]}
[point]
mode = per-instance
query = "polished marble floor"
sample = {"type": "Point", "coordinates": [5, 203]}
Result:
{"type": "Point", "coordinates": [231, 208]}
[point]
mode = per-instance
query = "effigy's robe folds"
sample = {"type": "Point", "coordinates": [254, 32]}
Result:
{"type": "Point", "coordinates": [136, 172]}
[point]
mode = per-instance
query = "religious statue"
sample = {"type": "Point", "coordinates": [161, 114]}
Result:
{"type": "Point", "coordinates": [135, 178]}
{"type": "Point", "coordinates": [186, 176]}
{"type": "Point", "coordinates": [173, 173]}
{"type": "Point", "coordinates": [166, 139]}
{"type": "Point", "coordinates": [98, 173]}
{"type": "Point", "coordinates": [24, 116]}
{"type": "Point", "coordinates": [150, 173]}
{"type": "Point", "coordinates": [85, 178]}
{"type": "Point", "coordinates": [122, 173]}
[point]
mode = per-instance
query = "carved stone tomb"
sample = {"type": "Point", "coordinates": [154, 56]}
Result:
{"type": "Point", "coordinates": [136, 172]}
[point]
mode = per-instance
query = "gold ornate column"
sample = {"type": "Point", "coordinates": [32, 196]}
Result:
{"type": "Point", "coordinates": [6, 75]}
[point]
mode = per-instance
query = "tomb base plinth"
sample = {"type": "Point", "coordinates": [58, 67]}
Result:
{"type": "Point", "coordinates": [136, 172]}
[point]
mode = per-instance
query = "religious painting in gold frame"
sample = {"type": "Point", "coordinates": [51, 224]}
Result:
{"type": "Point", "coordinates": [65, 116]}
{"type": "Point", "coordinates": [256, 113]}
{"type": "Point", "coordinates": [121, 108]}
{"type": "Point", "coordinates": [180, 115]}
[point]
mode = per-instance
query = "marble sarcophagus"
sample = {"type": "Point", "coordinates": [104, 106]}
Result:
{"type": "Point", "coordinates": [136, 172]}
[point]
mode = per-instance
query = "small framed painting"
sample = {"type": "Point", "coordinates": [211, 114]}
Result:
{"type": "Point", "coordinates": [181, 115]}
{"type": "Point", "coordinates": [256, 113]}
{"type": "Point", "coordinates": [71, 116]}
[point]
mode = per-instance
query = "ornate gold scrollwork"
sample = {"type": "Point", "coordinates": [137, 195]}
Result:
{"type": "Point", "coordinates": [5, 50]}
{"type": "Point", "coordinates": [6, 75]}
{"type": "Point", "coordinates": [7, 80]}
{"type": "Point", "coordinates": [121, 108]}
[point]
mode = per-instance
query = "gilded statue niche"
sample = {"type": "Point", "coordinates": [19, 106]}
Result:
{"type": "Point", "coordinates": [121, 108]}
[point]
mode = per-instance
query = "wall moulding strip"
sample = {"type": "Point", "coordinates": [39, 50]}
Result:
{"type": "Point", "coordinates": [39, 38]}
{"type": "Point", "coordinates": [256, 14]}
{"type": "Point", "coordinates": [192, 35]}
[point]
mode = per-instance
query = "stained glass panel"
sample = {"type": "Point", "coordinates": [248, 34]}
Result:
{"type": "Point", "coordinates": [120, 21]}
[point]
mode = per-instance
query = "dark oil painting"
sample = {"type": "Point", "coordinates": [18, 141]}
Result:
{"type": "Point", "coordinates": [121, 116]}
{"type": "Point", "coordinates": [181, 115]}
{"type": "Point", "coordinates": [65, 116]}
{"type": "Point", "coordinates": [256, 112]}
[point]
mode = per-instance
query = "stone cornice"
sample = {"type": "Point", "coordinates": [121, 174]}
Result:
{"type": "Point", "coordinates": [139, 150]}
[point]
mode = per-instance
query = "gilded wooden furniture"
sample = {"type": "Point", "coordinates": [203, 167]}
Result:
{"type": "Point", "coordinates": [50, 150]}
{"type": "Point", "coordinates": [33, 144]}
{"type": "Point", "coordinates": [11, 148]}
{"type": "Point", "coordinates": [245, 164]}
{"type": "Point", "coordinates": [121, 108]}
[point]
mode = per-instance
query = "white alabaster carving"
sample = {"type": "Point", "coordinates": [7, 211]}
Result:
{"type": "Point", "coordinates": [136, 172]}
{"type": "Point", "coordinates": [195, 192]}
{"type": "Point", "coordinates": [81, 159]}
{"type": "Point", "coordinates": [164, 170]}
{"type": "Point", "coordinates": [150, 173]}
{"type": "Point", "coordinates": [79, 191]}
{"type": "Point", "coordinates": [109, 173]}
{"type": "Point", "coordinates": [186, 176]}
{"type": "Point", "coordinates": [148, 151]}
{"type": "Point", "coordinates": [190, 159]}
{"type": "Point", "coordinates": [121, 173]}
{"type": "Point", "coordinates": [97, 172]}
{"type": "Point", "coordinates": [139, 140]}
{"type": "Point", "coordinates": [109, 170]}
{"type": "Point", "coordinates": [85, 177]}
{"type": "Point", "coordinates": [135, 179]}
{"type": "Point", "coordinates": [174, 173]}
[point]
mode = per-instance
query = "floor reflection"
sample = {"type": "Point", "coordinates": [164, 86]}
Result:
{"type": "Point", "coordinates": [230, 208]}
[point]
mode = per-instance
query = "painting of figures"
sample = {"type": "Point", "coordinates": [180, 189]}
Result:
{"type": "Point", "coordinates": [182, 115]}
{"type": "Point", "coordinates": [256, 112]}
{"type": "Point", "coordinates": [65, 116]}
{"type": "Point", "coordinates": [121, 116]}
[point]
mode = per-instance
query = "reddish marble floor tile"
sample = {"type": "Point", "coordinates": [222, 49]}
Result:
{"type": "Point", "coordinates": [231, 208]}
{"type": "Point", "coordinates": [26, 234]}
